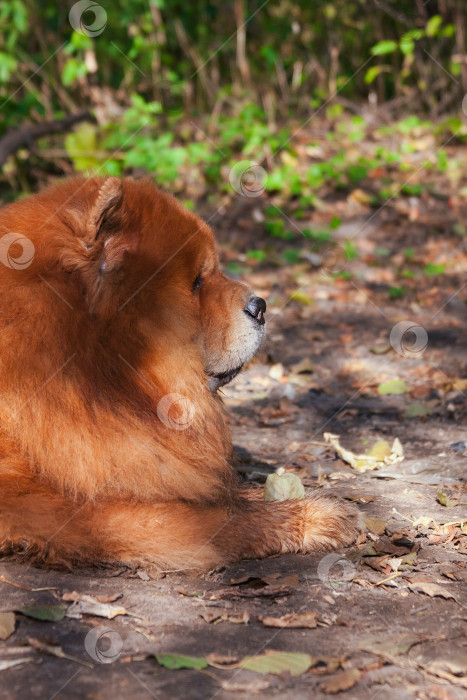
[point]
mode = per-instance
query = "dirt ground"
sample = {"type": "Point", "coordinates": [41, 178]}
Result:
{"type": "Point", "coordinates": [387, 616]}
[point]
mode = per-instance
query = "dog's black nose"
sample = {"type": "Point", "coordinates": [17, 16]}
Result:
{"type": "Point", "coordinates": [256, 307]}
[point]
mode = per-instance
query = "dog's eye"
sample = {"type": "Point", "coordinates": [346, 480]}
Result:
{"type": "Point", "coordinates": [197, 283]}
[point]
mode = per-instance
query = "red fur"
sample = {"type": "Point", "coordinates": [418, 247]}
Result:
{"type": "Point", "coordinates": [93, 334]}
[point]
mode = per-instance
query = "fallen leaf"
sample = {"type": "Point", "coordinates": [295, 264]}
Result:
{"type": "Point", "coordinates": [301, 297]}
{"type": "Point", "coordinates": [84, 604]}
{"type": "Point", "coordinates": [445, 500]}
{"type": "Point", "coordinates": [359, 498]}
{"type": "Point", "coordinates": [188, 594]}
{"type": "Point", "coordinates": [212, 617]}
{"type": "Point", "coordinates": [381, 350]}
{"type": "Point", "coordinates": [4, 665]}
{"type": "Point", "coordinates": [307, 620]}
{"type": "Point", "coordinates": [377, 563]}
{"type": "Point", "coordinates": [305, 366]}
{"type": "Point", "coordinates": [364, 462]}
{"type": "Point", "coordinates": [174, 661]}
{"type": "Point", "coordinates": [460, 384]}
{"type": "Point", "coordinates": [344, 680]}
{"type": "Point", "coordinates": [375, 525]}
{"type": "Point", "coordinates": [281, 579]}
{"type": "Point", "coordinates": [276, 371]}
{"type": "Point", "coordinates": [394, 564]}
{"type": "Point", "coordinates": [245, 579]}
{"type": "Point", "coordinates": [236, 685]}
{"type": "Point", "coordinates": [456, 664]}
{"type": "Point", "coordinates": [47, 613]}
{"type": "Point", "coordinates": [222, 660]}
{"type": "Point", "coordinates": [431, 589]}
{"type": "Point", "coordinates": [393, 386]}
{"type": "Point", "coordinates": [380, 450]}
{"type": "Point", "coordinates": [277, 662]}
{"type": "Point", "coordinates": [451, 572]}
{"type": "Point", "coordinates": [360, 196]}
{"type": "Point", "coordinates": [328, 599]}
{"type": "Point", "coordinates": [283, 486]}
{"type": "Point", "coordinates": [266, 580]}
{"type": "Point", "coordinates": [417, 410]}
{"type": "Point", "coordinates": [7, 624]}
{"type": "Point", "coordinates": [409, 559]}
{"type": "Point", "coordinates": [101, 598]}
{"type": "Point", "coordinates": [390, 644]}
{"type": "Point", "coordinates": [266, 591]}
{"type": "Point", "coordinates": [423, 520]}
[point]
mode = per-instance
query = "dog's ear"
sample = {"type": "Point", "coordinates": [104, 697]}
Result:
{"type": "Point", "coordinates": [106, 237]}
{"type": "Point", "coordinates": [106, 211]}
{"type": "Point", "coordinates": [102, 241]}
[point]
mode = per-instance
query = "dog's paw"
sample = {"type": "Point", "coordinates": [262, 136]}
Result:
{"type": "Point", "coordinates": [329, 522]}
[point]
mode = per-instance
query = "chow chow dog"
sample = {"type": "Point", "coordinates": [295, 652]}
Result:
{"type": "Point", "coordinates": [116, 329]}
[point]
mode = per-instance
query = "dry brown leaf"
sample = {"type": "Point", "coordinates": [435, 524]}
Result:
{"type": "Point", "coordinates": [305, 366]}
{"type": "Point", "coordinates": [281, 579]}
{"type": "Point", "coordinates": [222, 660]}
{"type": "Point", "coordinates": [84, 604]}
{"type": "Point", "coordinates": [431, 589]}
{"type": "Point", "coordinates": [74, 596]}
{"type": "Point", "coordinates": [308, 620]}
{"type": "Point", "coordinates": [266, 591]}
{"type": "Point", "coordinates": [365, 462]}
{"type": "Point", "coordinates": [255, 685]}
{"type": "Point", "coordinates": [375, 525]}
{"type": "Point", "coordinates": [10, 663]}
{"type": "Point", "coordinates": [214, 618]}
{"type": "Point", "coordinates": [278, 662]}
{"type": "Point", "coordinates": [344, 680]}
{"type": "Point", "coordinates": [389, 645]}
{"type": "Point", "coordinates": [7, 624]}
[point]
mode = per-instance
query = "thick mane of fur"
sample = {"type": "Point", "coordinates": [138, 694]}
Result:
{"type": "Point", "coordinates": [81, 389]}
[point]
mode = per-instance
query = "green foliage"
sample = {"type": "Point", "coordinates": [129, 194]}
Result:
{"type": "Point", "coordinates": [413, 190]}
{"type": "Point", "coordinates": [315, 235]}
{"type": "Point", "coordinates": [292, 255]}
{"type": "Point", "coordinates": [405, 46]}
{"type": "Point", "coordinates": [184, 56]}
{"type": "Point", "coordinates": [276, 228]}
{"type": "Point", "coordinates": [334, 223]}
{"type": "Point", "coordinates": [350, 250]}
{"type": "Point", "coordinates": [384, 47]}
{"type": "Point", "coordinates": [172, 99]}
{"type": "Point", "coordinates": [432, 269]}
{"type": "Point", "coordinates": [396, 292]}
{"type": "Point", "coordinates": [81, 146]}
{"type": "Point", "coordinates": [259, 255]}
